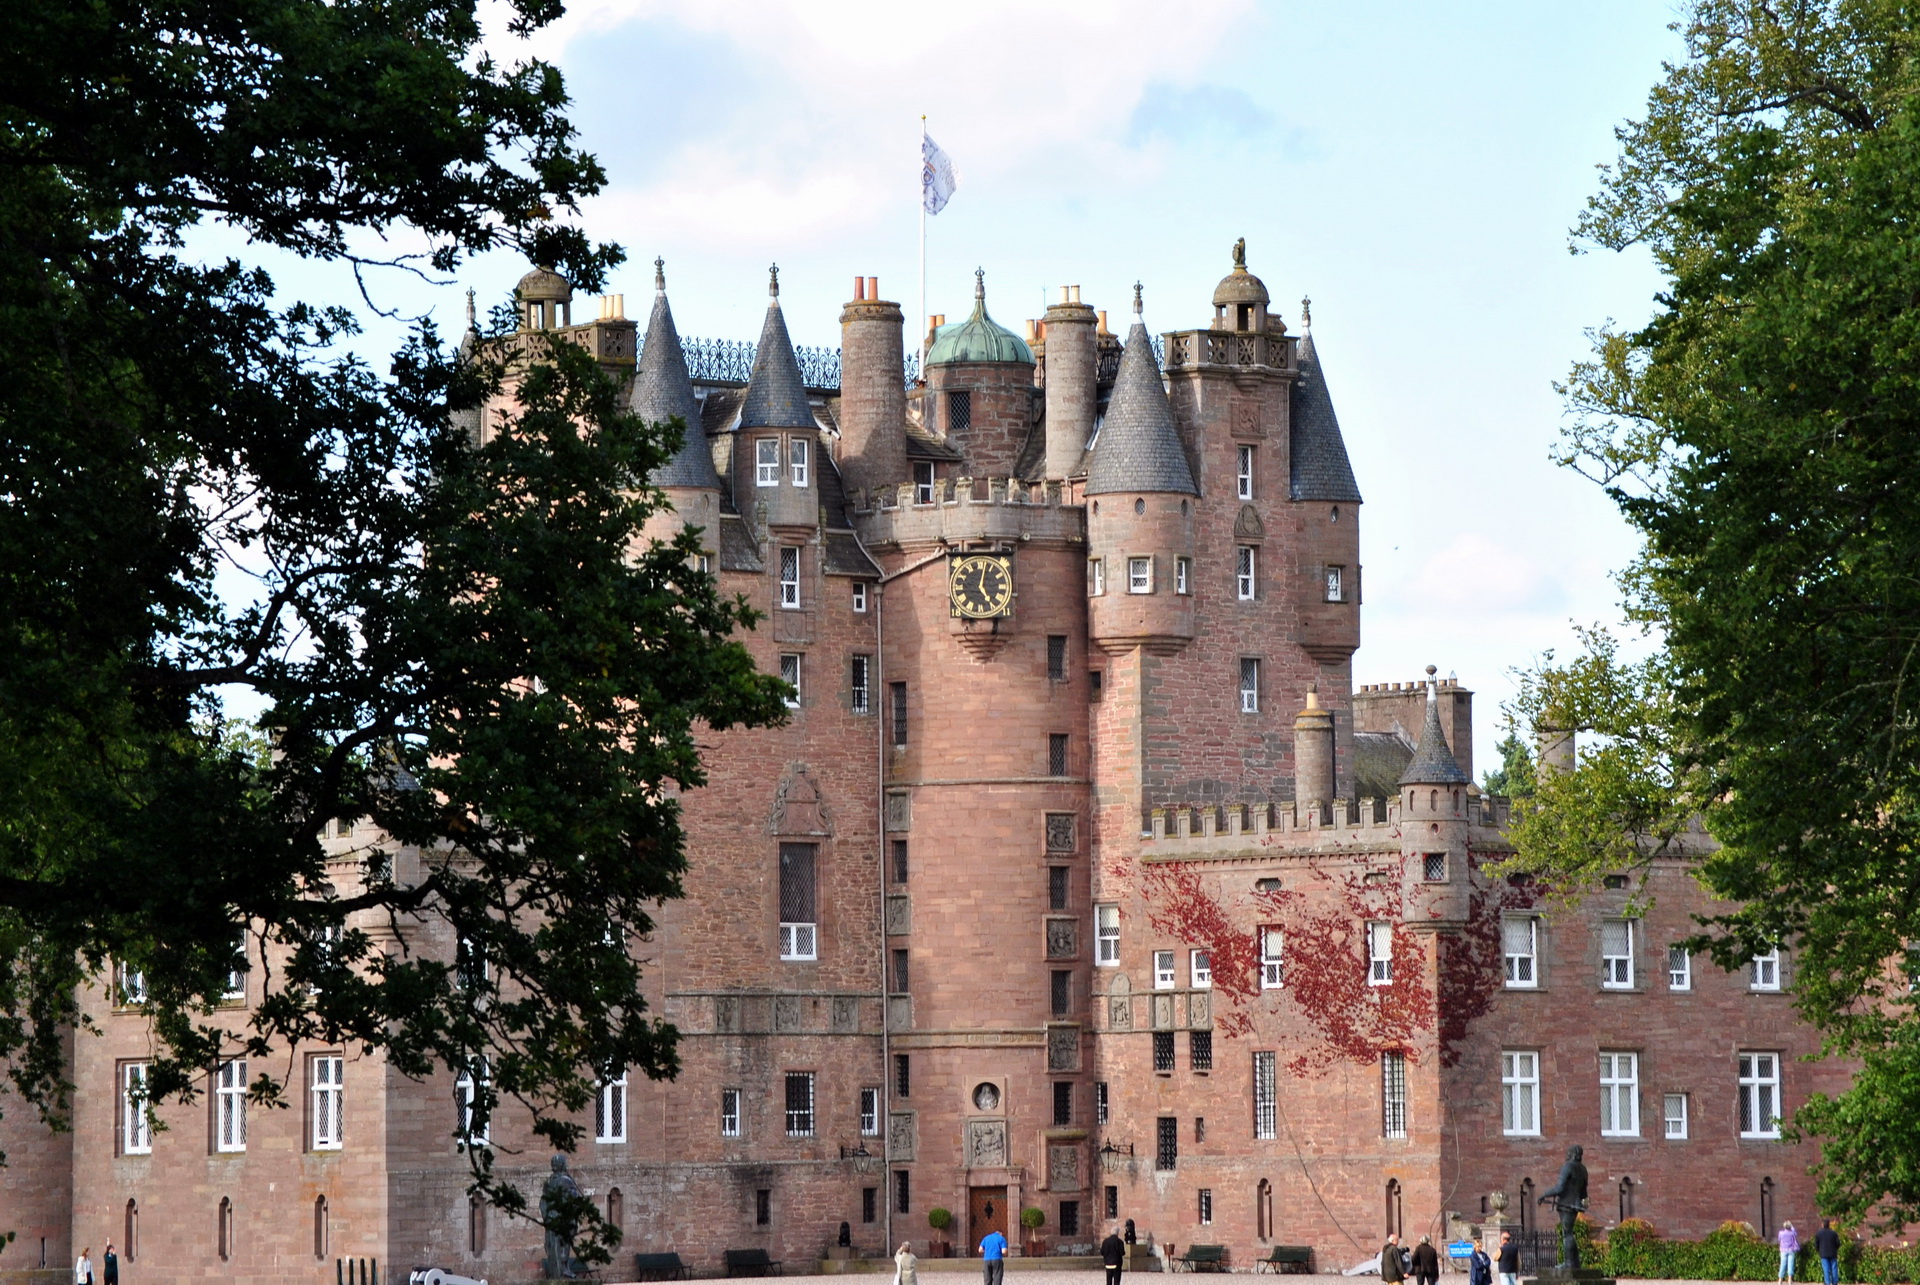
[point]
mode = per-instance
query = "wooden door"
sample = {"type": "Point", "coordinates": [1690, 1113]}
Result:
{"type": "Point", "coordinates": [986, 1211]}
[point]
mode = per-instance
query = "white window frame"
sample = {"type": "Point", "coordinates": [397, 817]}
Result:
{"type": "Point", "coordinates": [230, 1107]}
{"type": "Point", "coordinates": [1164, 977]}
{"type": "Point", "coordinates": [1759, 1087]}
{"type": "Point", "coordinates": [1522, 968]}
{"type": "Point", "coordinates": [1206, 1207]}
{"type": "Point", "coordinates": [790, 673]}
{"type": "Point", "coordinates": [1247, 572]}
{"type": "Point", "coordinates": [1619, 1095]}
{"type": "Point", "coordinates": [729, 1113]}
{"type": "Point", "coordinates": [610, 1110]}
{"type": "Point", "coordinates": [1273, 965]}
{"type": "Point", "coordinates": [860, 684]}
{"type": "Point", "coordinates": [1679, 978]}
{"type": "Point", "coordinates": [1243, 477]}
{"type": "Point", "coordinates": [766, 461]}
{"type": "Point", "coordinates": [870, 1112]}
{"type": "Point", "coordinates": [1616, 970]}
{"type": "Point", "coordinates": [130, 985]}
{"type": "Point", "coordinates": [236, 988]}
{"type": "Point", "coordinates": [326, 1077]}
{"type": "Point", "coordinates": [466, 1097]}
{"type": "Point", "coordinates": [704, 564]}
{"type": "Point", "coordinates": [800, 942]}
{"type": "Point", "coordinates": [1249, 684]}
{"type": "Point", "coordinates": [1763, 971]}
{"type": "Point", "coordinates": [1266, 1096]}
{"type": "Point", "coordinates": [1393, 1095]}
{"type": "Point", "coordinates": [1379, 953]}
{"type": "Point", "coordinates": [802, 1123]}
{"type": "Point", "coordinates": [923, 481]}
{"type": "Point", "coordinates": [1336, 584]}
{"type": "Point", "coordinates": [136, 1130]}
{"type": "Point", "coordinates": [1140, 575]}
{"type": "Point", "coordinates": [1102, 1103]}
{"type": "Point", "coordinates": [1520, 1093]}
{"type": "Point", "coordinates": [860, 597]}
{"type": "Point", "coordinates": [790, 577]}
{"type": "Point", "coordinates": [1096, 577]}
{"type": "Point", "coordinates": [1673, 1114]}
{"type": "Point", "coordinates": [1200, 969]}
{"type": "Point", "coordinates": [1183, 575]}
{"type": "Point", "coordinates": [800, 457]}
{"type": "Point", "coordinates": [1106, 935]}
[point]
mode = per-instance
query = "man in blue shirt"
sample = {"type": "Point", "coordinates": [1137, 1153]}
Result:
{"type": "Point", "coordinates": [993, 1251]}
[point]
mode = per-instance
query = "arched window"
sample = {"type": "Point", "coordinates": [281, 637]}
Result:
{"type": "Point", "coordinates": [1263, 1210]}
{"type": "Point", "coordinates": [1393, 1206]}
{"type": "Point", "coordinates": [320, 1227]}
{"type": "Point", "coordinates": [1526, 1204]}
{"type": "Point", "coordinates": [130, 1236]}
{"type": "Point", "coordinates": [616, 1210]}
{"type": "Point", "coordinates": [476, 1226]}
{"type": "Point", "coordinates": [1433, 800]}
{"type": "Point", "coordinates": [1766, 1208]}
{"type": "Point", "coordinates": [225, 1235]}
{"type": "Point", "coordinates": [1626, 1199]}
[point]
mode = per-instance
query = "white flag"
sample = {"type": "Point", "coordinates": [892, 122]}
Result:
{"type": "Point", "coordinates": [937, 179]}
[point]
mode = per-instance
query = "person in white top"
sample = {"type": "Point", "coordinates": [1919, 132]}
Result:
{"type": "Point", "coordinates": [83, 1269]}
{"type": "Point", "coordinates": [906, 1268]}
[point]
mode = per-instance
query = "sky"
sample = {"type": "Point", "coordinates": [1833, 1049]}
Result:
{"type": "Point", "coordinates": [1414, 167]}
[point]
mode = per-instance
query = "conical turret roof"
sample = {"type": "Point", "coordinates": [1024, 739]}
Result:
{"type": "Point", "coordinates": [1433, 763]}
{"type": "Point", "coordinates": [776, 395]}
{"type": "Point", "coordinates": [662, 390]}
{"type": "Point", "coordinates": [1139, 448]}
{"type": "Point", "coordinates": [1318, 465]}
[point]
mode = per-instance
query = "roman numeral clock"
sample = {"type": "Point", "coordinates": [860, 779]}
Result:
{"type": "Point", "coordinates": [980, 586]}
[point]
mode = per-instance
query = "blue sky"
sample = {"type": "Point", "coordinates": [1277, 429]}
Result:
{"type": "Point", "coordinates": [1414, 167]}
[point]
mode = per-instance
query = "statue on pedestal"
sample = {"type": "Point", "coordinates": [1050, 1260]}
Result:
{"type": "Point", "coordinates": [1569, 1196]}
{"type": "Point", "coordinates": [557, 1214]}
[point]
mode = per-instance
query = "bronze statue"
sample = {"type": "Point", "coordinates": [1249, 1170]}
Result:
{"type": "Point", "coordinates": [1569, 1196]}
{"type": "Point", "coordinates": [1240, 255]}
{"type": "Point", "coordinates": [557, 1213]}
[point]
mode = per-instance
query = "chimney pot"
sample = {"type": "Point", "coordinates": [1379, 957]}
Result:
{"type": "Point", "coordinates": [873, 287]}
{"type": "Point", "coordinates": [859, 288]}
{"type": "Point", "coordinates": [1103, 322]}
{"type": "Point", "coordinates": [1066, 295]}
{"type": "Point", "coordinates": [1076, 293]}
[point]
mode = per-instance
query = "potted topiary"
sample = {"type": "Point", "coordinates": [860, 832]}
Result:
{"type": "Point", "coordinates": [1032, 1220]}
{"type": "Point", "coordinates": [940, 1219]}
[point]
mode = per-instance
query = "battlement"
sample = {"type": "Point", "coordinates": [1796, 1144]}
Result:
{"type": "Point", "coordinates": [1229, 350]}
{"type": "Point", "coordinates": [968, 508]}
{"type": "Point", "coordinates": [1188, 831]}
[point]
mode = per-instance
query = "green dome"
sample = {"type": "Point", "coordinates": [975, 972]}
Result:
{"type": "Point", "coordinates": [979, 337]}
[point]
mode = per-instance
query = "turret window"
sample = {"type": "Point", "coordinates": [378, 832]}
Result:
{"type": "Point", "coordinates": [1246, 580]}
{"type": "Point", "coordinates": [790, 576]}
{"type": "Point", "coordinates": [790, 675]}
{"type": "Point", "coordinates": [1139, 575]}
{"type": "Point", "coordinates": [959, 411]}
{"type": "Point", "coordinates": [1336, 584]}
{"type": "Point", "coordinates": [1096, 577]}
{"type": "Point", "coordinates": [1183, 575]}
{"type": "Point", "coordinates": [1246, 473]}
{"type": "Point", "coordinates": [766, 456]}
{"type": "Point", "coordinates": [799, 456]}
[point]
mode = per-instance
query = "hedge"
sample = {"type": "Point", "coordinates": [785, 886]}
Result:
{"type": "Point", "coordinates": [1734, 1253]}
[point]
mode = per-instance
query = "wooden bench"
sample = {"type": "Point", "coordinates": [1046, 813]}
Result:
{"type": "Point", "coordinates": [1204, 1258]}
{"type": "Point", "coordinates": [659, 1267]}
{"type": "Point", "coordinates": [1293, 1258]}
{"type": "Point", "coordinates": [751, 1262]}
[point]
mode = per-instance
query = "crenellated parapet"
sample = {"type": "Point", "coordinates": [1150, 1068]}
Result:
{"type": "Point", "coordinates": [962, 509]}
{"type": "Point", "coordinates": [1200, 831]}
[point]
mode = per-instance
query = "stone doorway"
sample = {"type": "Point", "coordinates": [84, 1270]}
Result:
{"type": "Point", "coordinates": [986, 1211]}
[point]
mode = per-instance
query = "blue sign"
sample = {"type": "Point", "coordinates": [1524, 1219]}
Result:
{"type": "Point", "coordinates": [1459, 1249]}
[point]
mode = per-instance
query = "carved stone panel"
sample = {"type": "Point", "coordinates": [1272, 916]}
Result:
{"type": "Point", "coordinates": [798, 807]}
{"type": "Point", "coordinates": [1062, 832]}
{"type": "Point", "coordinates": [900, 1135]}
{"type": "Point", "coordinates": [1062, 938]}
{"type": "Point", "coordinates": [786, 1012]}
{"type": "Point", "coordinates": [1063, 1167]}
{"type": "Point", "coordinates": [1120, 1003]}
{"type": "Point", "coordinates": [1200, 1010]}
{"type": "Point", "coordinates": [846, 1014]}
{"type": "Point", "coordinates": [1163, 1012]}
{"type": "Point", "coordinates": [986, 1144]}
{"type": "Point", "coordinates": [1063, 1048]}
{"type": "Point", "coordinates": [899, 1012]}
{"type": "Point", "coordinates": [726, 1014]}
{"type": "Point", "coordinates": [899, 916]}
{"type": "Point", "coordinates": [1248, 525]}
{"type": "Point", "coordinates": [899, 810]}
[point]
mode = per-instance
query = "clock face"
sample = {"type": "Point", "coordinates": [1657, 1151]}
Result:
{"type": "Point", "coordinates": [980, 586]}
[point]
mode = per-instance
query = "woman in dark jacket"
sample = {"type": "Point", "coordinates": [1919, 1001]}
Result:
{"type": "Point", "coordinates": [1426, 1262]}
{"type": "Point", "coordinates": [1479, 1266]}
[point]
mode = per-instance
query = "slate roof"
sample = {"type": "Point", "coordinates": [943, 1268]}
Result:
{"type": "Point", "coordinates": [1139, 448]}
{"type": "Point", "coordinates": [1433, 763]}
{"type": "Point", "coordinates": [738, 551]}
{"type": "Point", "coordinates": [776, 395]}
{"type": "Point", "coordinates": [1378, 760]}
{"type": "Point", "coordinates": [662, 392]}
{"type": "Point", "coordinates": [1320, 470]}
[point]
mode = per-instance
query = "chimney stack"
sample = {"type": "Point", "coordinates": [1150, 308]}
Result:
{"type": "Point", "coordinates": [1313, 753]}
{"type": "Point", "coordinates": [873, 396]}
{"type": "Point", "coordinates": [1072, 380]}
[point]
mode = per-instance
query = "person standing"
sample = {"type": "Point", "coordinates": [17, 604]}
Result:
{"type": "Point", "coordinates": [110, 1266]}
{"type": "Point", "coordinates": [993, 1255]}
{"type": "Point", "coordinates": [1789, 1250]}
{"type": "Point", "coordinates": [1479, 1266]}
{"type": "Point", "coordinates": [1391, 1266]}
{"type": "Point", "coordinates": [906, 1268]}
{"type": "Point", "coordinates": [1509, 1262]}
{"type": "Point", "coordinates": [83, 1267]}
{"type": "Point", "coordinates": [1113, 1253]}
{"type": "Point", "coordinates": [1426, 1262]}
{"type": "Point", "coordinates": [1826, 1243]}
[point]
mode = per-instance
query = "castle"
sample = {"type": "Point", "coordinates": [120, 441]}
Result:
{"type": "Point", "coordinates": [1082, 879]}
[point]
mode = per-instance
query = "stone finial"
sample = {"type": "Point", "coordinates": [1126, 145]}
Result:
{"type": "Point", "coordinates": [1306, 312]}
{"type": "Point", "coordinates": [980, 284]}
{"type": "Point", "coordinates": [773, 281]}
{"type": "Point", "coordinates": [660, 276]}
{"type": "Point", "coordinates": [1240, 254]}
{"type": "Point", "coordinates": [1138, 308]}
{"type": "Point", "coordinates": [470, 315]}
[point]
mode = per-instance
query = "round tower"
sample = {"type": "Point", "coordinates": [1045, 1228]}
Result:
{"type": "Point", "coordinates": [775, 471]}
{"type": "Point", "coordinates": [1433, 825]}
{"type": "Point", "coordinates": [1140, 511]}
{"type": "Point", "coordinates": [663, 394]}
{"type": "Point", "coordinates": [1072, 382]}
{"type": "Point", "coordinates": [873, 391]}
{"type": "Point", "coordinates": [980, 389]}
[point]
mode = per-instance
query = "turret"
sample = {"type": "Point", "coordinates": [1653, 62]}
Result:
{"type": "Point", "coordinates": [1140, 521]}
{"type": "Point", "coordinates": [1433, 824]}
{"type": "Point", "coordinates": [778, 439]}
{"type": "Point", "coordinates": [1320, 483]}
{"type": "Point", "coordinates": [980, 390]}
{"type": "Point", "coordinates": [1073, 372]}
{"type": "Point", "coordinates": [469, 420]}
{"type": "Point", "coordinates": [546, 300]}
{"type": "Point", "coordinates": [873, 395]}
{"type": "Point", "coordinates": [663, 392]}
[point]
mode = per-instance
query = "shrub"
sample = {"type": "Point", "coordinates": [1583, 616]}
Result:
{"type": "Point", "coordinates": [1033, 1219]}
{"type": "Point", "coordinates": [939, 1219]}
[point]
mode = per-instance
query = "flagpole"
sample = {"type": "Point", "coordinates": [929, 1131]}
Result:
{"type": "Point", "coordinates": [923, 248]}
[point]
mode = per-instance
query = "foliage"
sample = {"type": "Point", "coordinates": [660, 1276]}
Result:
{"type": "Point", "coordinates": [1762, 434]}
{"type": "Point", "coordinates": [1033, 1218]}
{"type": "Point", "coordinates": [939, 1218]}
{"type": "Point", "coordinates": [1732, 1252]}
{"type": "Point", "coordinates": [1513, 779]}
{"type": "Point", "coordinates": [451, 641]}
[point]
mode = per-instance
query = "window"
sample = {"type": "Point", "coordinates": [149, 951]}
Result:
{"type": "Point", "coordinates": [1336, 584]}
{"type": "Point", "coordinates": [132, 984]}
{"type": "Point", "coordinates": [1759, 1095]}
{"type": "Point", "coordinates": [766, 456]}
{"type": "Point", "coordinates": [1166, 1154]}
{"type": "Point", "coordinates": [923, 484]}
{"type": "Point", "coordinates": [869, 1204]}
{"type": "Point", "coordinates": [1674, 1112]}
{"type": "Point", "coordinates": [610, 1111]}
{"type": "Point", "coordinates": [136, 1130]}
{"type": "Point", "coordinates": [1679, 969]}
{"type": "Point", "coordinates": [471, 968]}
{"type": "Point", "coordinates": [1379, 954]}
{"type": "Point", "coordinates": [1096, 577]}
{"type": "Point", "coordinates": [1200, 969]}
{"type": "Point", "coordinates": [1520, 943]}
{"type": "Point", "coordinates": [900, 974]}
{"type": "Point", "coordinates": [899, 860]}
{"type": "Point", "coordinates": [469, 1108]}
{"type": "Point", "coordinates": [1520, 1095]}
{"type": "Point", "coordinates": [729, 1113]}
{"type": "Point", "coordinates": [1112, 1198]}
{"type": "Point", "coordinates": [959, 410]}
{"type": "Point", "coordinates": [1062, 1102]}
{"type": "Point", "coordinates": [1163, 978]}
{"type": "Point", "coordinates": [1163, 1052]}
{"type": "Point", "coordinates": [1183, 575]}
{"type": "Point", "coordinates": [1249, 685]}
{"type": "Point", "coordinates": [790, 675]}
{"type": "Point", "coordinates": [1057, 657]}
{"type": "Point", "coordinates": [762, 1207]}
{"type": "Point", "coordinates": [1433, 867]}
{"type": "Point", "coordinates": [857, 684]}
{"type": "Point", "coordinates": [898, 692]}
{"type": "Point", "coordinates": [1057, 877]}
{"type": "Point", "coordinates": [1619, 1095]}
{"type": "Point", "coordinates": [1265, 1097]}
{"type": "Point", "coordinates": [1062, 996]}
{"type": "Point", "coordinates": [799, 1104]}
{"type": "Point", "coordinates": [1057, 754]}
{"type": "Point", "coordinates": [902, 1075]}
{"type": "Point", "coordinates": [1616, 954]}
{"type": "Point", "coordinates": [1763, 974]}
{"type": "Point", "coordinates": [1206, 1206]}
{"type": "Point", "coordinates": [1069, 1218]}
{"type": "Point", "coordinates": [902, 1192]}
{"type": "Point", "coordinates": [236, 987]}
{"type": "Point", "coordinates": [1272, 968]}
{"type": "Point", "coordinates": [223, 1233]}
{"type": "Point", "coordinates": [703, 564]}
{"type": "Point", "coordinates": [1393, 1095]}
{"type": "Point", "coordinates": [230, 1107]}
{"type": "Point", "coordinates": [870, 1113]}
{"type": "Point", "coordinates": [1200, 1050]}
{"type": "Point", "coordinates": [789, 576]}
{"type": "Point", "coordinates": [860, 597]}
{"type": "Point", "coordinates": [1245, 473]}
{"type": "Point", "coordinates": [476, 1226]}
{"type": "Point", "coordinates": [327, 1075]}
{"type": "Point", "coordinates": [1101, 1112]}
{"type": "Point", "coordinates": [1199, 1128]}
{"type": "Point", "coordinates": [1245, 582]}
{"type": "Point", "coordinates": [130, 1231]}
{"type": "Point", "coordinates": [1106, 936]}
{"type": "Point", "coordinates": [797, 455]}
{"type": "Point", "coordinates": [799, 924]}
{"type": "Point", "coordinates": [1139, 575]}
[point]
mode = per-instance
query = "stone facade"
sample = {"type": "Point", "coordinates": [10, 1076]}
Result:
{"type": "Point", "coordinates": [1029, 910]}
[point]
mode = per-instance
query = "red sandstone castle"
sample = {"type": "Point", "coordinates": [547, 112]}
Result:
{"type": "Point", "coordinates": [1082, 879]}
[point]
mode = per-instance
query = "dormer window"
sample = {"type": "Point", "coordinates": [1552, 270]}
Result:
{"type": "Point", "coordinates": [766, 457]}
{"type": "Point", "coordinates": [797, 454]}
{"type": "Point", "coordinates": [923, 484]}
